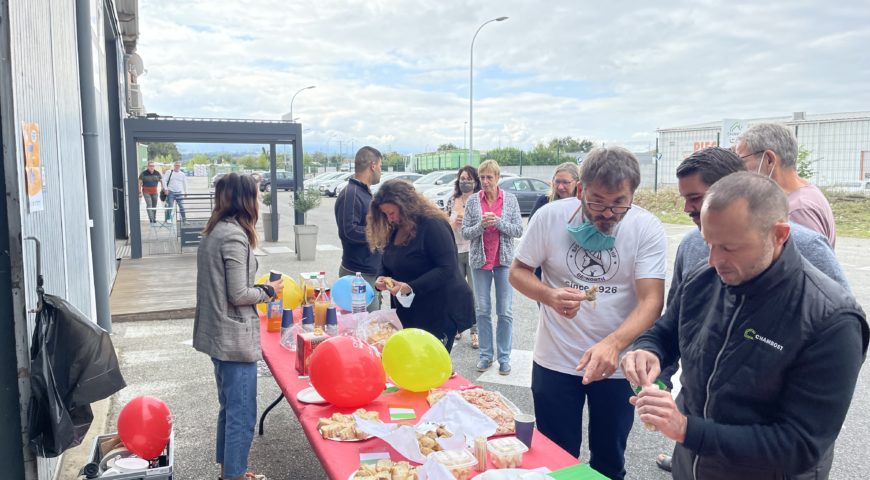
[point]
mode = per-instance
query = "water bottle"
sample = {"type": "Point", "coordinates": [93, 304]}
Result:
{"type": "Point", "coordinates": [358, 294]}
{"type": "Point", "coordinates": [289, 330]}
{"type": "Point", "coordinates": [308, 318]}
{"type": "Point", "coordinates": [331, 322]}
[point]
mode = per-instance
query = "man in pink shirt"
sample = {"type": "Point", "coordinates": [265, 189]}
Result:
{"type": "Point", "coordinates": [771, 149]}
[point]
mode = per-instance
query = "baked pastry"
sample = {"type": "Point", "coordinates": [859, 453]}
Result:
{"type": "Point", "coordinates": [427, 441]}
{"type": "Point", "coordinates": [592, 293]}
{"type": "Point", "coordinates": [386, 470]}
{"type": "Point", "coordinates": [343, 427]}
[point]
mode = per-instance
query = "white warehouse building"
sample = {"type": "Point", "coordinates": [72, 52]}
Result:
{"type": "Point", "coordinates": [839, 144]}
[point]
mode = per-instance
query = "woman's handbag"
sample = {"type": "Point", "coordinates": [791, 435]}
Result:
{"type": "Point", "coordinates": [163, 195]}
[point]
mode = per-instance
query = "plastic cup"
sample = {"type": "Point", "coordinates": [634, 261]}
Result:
{"type": "Point", "coordinates": [524, 424]}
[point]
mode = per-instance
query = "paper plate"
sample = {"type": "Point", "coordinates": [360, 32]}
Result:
{"type": "Point", "coordinates": [512, 474]}
{"type": "Point", "coordinates": [310, 395]}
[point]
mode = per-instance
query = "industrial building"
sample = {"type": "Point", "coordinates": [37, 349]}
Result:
{"type": "Point", "coordinates": [839, 144]}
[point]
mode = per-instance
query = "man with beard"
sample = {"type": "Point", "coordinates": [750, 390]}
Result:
{"type": "Point", "coordinates": [351, 211]}
{"type": "Point", "coordinates": [695, 175]}
{"type": "Point", "coordinates": [771, 348]}
{"type": "Point", "coordinates": [599, 241]}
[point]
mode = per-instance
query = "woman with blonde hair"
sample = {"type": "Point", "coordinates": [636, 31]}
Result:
{"type": "Point", "coordinates": [565, 184]}
{"type": "Point", "coordinates": [492, 220]}
{"type": "Point", "coordinates": [419, 266]}
{"type": "Point", "coordinates": [226, 325]}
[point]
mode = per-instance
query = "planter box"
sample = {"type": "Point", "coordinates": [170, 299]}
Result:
{"type": "Point", "coordinates": [306, 241]}
{"type": "Point", "coordinates": [268, 235]}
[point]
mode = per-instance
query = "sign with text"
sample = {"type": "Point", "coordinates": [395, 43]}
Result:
{"type": "Point", "coordinates": [32, 171]}
{"type": "Point", "coordinates": [731, 129]}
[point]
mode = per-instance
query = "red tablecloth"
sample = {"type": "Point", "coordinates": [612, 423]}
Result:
{"type": "Point", "coordinates": [341, 459]}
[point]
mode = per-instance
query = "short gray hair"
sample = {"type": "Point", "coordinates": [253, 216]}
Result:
{"type": "Point", "coordinates": [767, 203]}
{"type": "Point", "coordinates": [610, 167]}
{"type": "Point", "coordinates": [772, 136]}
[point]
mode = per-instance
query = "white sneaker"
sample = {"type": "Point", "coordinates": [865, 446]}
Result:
{"type": "Point", "coordinates": [169, 221]}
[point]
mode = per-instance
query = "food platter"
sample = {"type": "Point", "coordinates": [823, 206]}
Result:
{"type": "Point", "coordinates": [310, 395]}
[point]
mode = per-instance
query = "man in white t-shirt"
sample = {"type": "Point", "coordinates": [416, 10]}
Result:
{"type": "Point", "coordinates": [599, 240]}
{"type": "Point", "coordinates": [176, 186]}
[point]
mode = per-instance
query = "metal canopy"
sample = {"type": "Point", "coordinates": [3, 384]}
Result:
{"type": "Point", "coordinates": [194, 130]}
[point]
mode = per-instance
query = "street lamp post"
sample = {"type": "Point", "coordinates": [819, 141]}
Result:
{"type": "Point", "coordinates": [464, 134]}
{"type": "Point", "coordinates": [471, 87]}
{"type": "Point", "coordinates": [294, 98]}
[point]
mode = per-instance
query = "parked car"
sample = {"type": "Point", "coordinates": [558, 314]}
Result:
{"type": "Point", "coordinates": [406, 176]}
{"type": "Point", "coordinates": [435, 179]}
{"type": "Point", "coordinates": [284, 181]}
{"type": "Point", "coordinates": [526, 189]}
{"type": "Point", "coordinates": [440, 195]}
{"type": "Point", "coordinates": [330, 188]}
{"type": "Point", "coordinates": [857, 186]}
{"type": "Point", "coordinates": [215, 178]}
{"type": "Point", "coordinates": [321, 179]}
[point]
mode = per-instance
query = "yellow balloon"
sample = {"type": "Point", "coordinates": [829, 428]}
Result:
{"type": "Point", "coordinates": [292, 294]}
{"type": "Point", "coordinates": [415, 360]}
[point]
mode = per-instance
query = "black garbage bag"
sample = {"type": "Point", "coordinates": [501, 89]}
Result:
{"type": "Point", "coordinates": [73, 364]}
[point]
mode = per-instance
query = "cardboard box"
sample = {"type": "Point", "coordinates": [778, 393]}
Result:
{"type": "Point", "coordinates": [306, 343]}
{"type": "Point", "coordinates": [161, 472]}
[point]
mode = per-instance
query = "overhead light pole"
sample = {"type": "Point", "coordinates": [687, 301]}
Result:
{"type": "Point", "coordinates": [294, 98]}
{"type": "Point", "coordinates": [471, 88]}
{"type": "Point", "coordinates": [464, 134]}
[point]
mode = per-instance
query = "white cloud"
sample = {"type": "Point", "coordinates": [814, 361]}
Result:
{"type": "Point", "coordinates": [395, 73]}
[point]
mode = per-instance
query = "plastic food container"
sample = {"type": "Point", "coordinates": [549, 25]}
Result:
{"type": "Point", "coordinates": [506, 452]}
{"type": "Point", "coordinates": [459, 462]}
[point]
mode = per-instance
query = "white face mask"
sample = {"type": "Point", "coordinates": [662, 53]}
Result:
{"type": "Point", "coordinates": [761, 162]}
{"type": "Point", "coordinates": [405, 300]}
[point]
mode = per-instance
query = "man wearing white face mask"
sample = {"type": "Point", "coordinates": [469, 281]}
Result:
{"type": "Point", "coordinates": [771, 149]}
{"type": "Point", "coordinates": [598, 240]}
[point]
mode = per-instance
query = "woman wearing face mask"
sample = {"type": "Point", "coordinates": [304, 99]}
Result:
{"type": "Point", "coordinates": [419, 266]}
{"type": "Point", "coordinates": [467, 183]}
{"type": "Point", "coordinates": [492, 220]}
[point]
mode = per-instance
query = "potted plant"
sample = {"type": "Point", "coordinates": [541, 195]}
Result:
{"type": "Point", "coordinates": [266, 216]}
{"type": "Point", "coordinates": [305, 235]}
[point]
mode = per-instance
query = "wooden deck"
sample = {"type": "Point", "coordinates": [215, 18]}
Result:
{"type": "Point", "coordinates": [160, 287]}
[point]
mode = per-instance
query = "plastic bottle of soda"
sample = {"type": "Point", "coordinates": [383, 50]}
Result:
{"type": "Point", "coordinates": [358, 294]}
{"type": "Point", "coordinates": [275, 308]}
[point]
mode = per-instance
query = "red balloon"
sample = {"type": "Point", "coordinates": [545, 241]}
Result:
{"type": "Point", "coordinates": [347, 372]}
{"type": "Point", "coordinates": [144, 426]}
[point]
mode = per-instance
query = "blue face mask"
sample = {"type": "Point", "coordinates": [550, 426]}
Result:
{"type": "Point", "coordinates": [590, 238]}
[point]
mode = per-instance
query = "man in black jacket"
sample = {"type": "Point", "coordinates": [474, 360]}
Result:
{"type": "Point", "coordinates": [771, 348]}
{"type": "Point", "coordinates": [351, 208]}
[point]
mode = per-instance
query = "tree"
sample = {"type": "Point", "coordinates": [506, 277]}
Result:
{"type": "Point", "coordinates": [163, 151]}
{"type": "Point", "coordinates": [447, 146]}
{"type": "Point", "coordinates": [803, 165]}
{"type": "Point", "coordinates": [393, 160]}
{"type": "Point", "coordinates": [200, 159]}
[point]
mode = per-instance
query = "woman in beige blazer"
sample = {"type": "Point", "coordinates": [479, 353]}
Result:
{"type": "Point", "coordinates": [226, 326]}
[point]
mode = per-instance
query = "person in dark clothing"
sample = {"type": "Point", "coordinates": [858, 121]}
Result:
{"type": "Point", "coordinates": [771, 348]}
{"type": "Point", "coordinates": [420, 266]}
{"type": "Point", "coordinates": [351, 209]}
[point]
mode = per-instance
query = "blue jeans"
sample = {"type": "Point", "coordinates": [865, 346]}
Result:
{"type": "Point", "coordinates": [559, 400]}
{"type": "Point", "coordinates": [483, 280]}
{"type": "Point", "coordinates": [237, 393]}
{"type": "Point", "coordinates": [171, 198]}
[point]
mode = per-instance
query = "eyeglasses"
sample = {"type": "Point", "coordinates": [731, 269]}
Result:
{"type": "Point", "coordinates": [600, 207]}
{"type": "Point", "coordinates": [744, 157]}
{"type": "Point", "coordinates": [564, 182]}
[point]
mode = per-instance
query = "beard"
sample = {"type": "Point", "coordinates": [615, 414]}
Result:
{"type": "Point", "coordinates": [603, 224]}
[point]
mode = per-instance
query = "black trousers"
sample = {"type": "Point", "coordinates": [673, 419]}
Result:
{"type": "Point", "coordinates": [559, 400]}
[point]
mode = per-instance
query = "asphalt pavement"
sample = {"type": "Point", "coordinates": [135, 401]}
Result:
{"type": "Point", "coordinates": [157, 359]}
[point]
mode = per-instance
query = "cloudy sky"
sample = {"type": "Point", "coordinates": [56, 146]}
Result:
{"type": "Point", "coordinates": [395, 74]}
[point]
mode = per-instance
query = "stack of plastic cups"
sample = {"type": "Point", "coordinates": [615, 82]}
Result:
{"type": "Point", "coordinates": [308, 318]}
{"type": "Point", "coordinates": [289, 330]}
{"type": "Point", "coordinates": [331, 322]}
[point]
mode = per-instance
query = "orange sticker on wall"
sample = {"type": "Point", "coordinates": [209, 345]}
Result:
{"type": "Point", "coordinates": [32, 172]}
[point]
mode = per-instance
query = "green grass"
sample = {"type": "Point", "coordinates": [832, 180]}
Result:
{"type": "Point", "coordinates": [851, 212]}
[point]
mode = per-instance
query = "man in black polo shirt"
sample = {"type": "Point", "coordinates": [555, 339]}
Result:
{"type": "Point", "coordinates": [351, 209]}
{"type": "Point", "coordinates": [149, 180]}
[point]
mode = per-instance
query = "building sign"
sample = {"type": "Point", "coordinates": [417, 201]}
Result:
{"type": "Point", "coordinates": [731, 129]}
{"type": "Point", "coordinates": [703, 144]}
{"type": "Point", "coordinates": [32, 172]}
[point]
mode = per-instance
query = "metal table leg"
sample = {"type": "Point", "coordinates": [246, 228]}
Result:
{"type": "Point", "coordinates": [268, 409]}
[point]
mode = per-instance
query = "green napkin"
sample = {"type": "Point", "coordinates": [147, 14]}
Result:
{"type": "Point", "coordinates": [577, 472]}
